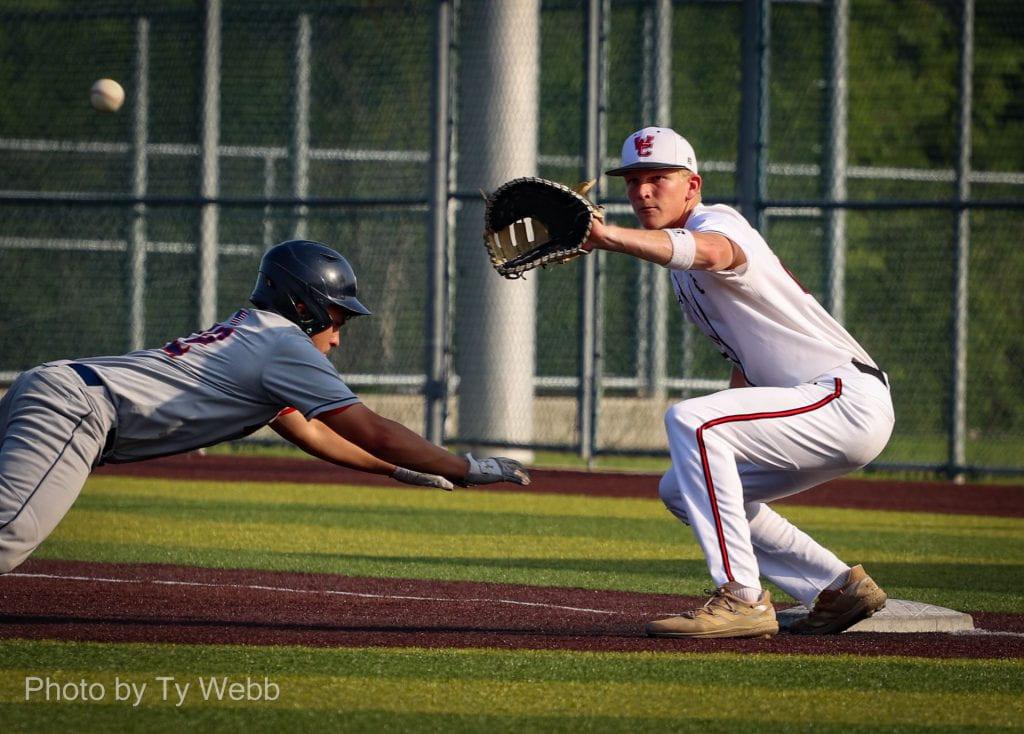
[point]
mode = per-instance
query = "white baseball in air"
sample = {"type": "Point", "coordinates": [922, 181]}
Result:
{"type": "Point", "coordinates": [106, 95]}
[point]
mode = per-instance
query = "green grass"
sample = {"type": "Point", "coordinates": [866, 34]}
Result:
{"type": "Point", "coordinates": [959, 561]}
{"type": "Point", "coordinates": [491, 690]}
{"type": "Point", "coordinates": [907, 449]}
{"type": "Point", "coordinates": [966, 562]}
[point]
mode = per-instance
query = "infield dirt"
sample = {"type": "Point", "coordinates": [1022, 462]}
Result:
{"type": "Point", "coordinates": [174, 604]}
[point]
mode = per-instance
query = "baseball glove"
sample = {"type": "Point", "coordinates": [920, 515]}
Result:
{"type": "Point", "coordinates": [531, 222]}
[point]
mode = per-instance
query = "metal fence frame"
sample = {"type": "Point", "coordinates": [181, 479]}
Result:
{"type": "Point", "coordinates": [438, 382]}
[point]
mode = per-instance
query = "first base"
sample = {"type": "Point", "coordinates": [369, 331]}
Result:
{"type": "Point", "coordinates": [898, 616]}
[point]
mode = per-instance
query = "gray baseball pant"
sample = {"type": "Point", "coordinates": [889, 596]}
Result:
{"type": "Point", "coordinates": [53, 428]}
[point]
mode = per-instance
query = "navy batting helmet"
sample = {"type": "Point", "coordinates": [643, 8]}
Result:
{"type": "Point", "coordinates": [310, 273]}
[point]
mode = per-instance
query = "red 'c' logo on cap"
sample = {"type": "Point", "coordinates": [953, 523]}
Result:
{"type": "Point", "coordinates": [644, 146]}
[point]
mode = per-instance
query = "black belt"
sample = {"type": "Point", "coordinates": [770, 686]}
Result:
{"type": "Point", "coordinates": [88, 374]}
{"type": "Point", "coordinates": [91, 379]}
{"type": "Point", "coordinates": [869, 370]}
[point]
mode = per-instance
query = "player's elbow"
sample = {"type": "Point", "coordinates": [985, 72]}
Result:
{"type": "Point", "coordinates": [385, 443]}
{"type": "Point", "coordinates": [360, 426]}
{"type": "Point", "coordinates": [717, 252]}
{"type": "Point", "coordinates": [718, 258]}
{"type": "Point", "coordinates": [378, 437]}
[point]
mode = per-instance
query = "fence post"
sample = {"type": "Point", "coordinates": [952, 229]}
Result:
{"type": "Point", "coordinates": [437, 352]}
{"type": "Point", "coordinates": [958, 402]}
{"type": "Point", "coordinates": [835, 158]}
{"type": "Point", "coordinates": [299, 144]}
{"type": "Point", "coordinates": [753, 155]}
{"type": "Point", "coordinates": [653, 285]}
{"type": "Point", "coordinates": [591, 322]}
{"type": "Point", "coordinates": [209, 165]}
{"type": "Point", "coordinates": [140, 170]}
{"type": "Point", "coordinates": [498, 127]}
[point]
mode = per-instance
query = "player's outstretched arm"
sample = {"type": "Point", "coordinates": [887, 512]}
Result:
{"type": "Point", "coordinates": [394, 442]}
{"type": "Point", "coordinates": [711, 251]}
{"type": "Point", "coordinates": [317, 439]}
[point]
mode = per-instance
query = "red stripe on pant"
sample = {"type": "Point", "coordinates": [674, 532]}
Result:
{"type": "Point", "coordinates": [735, 419]}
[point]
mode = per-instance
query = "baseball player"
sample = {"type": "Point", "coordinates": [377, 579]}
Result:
{"type": "Point", "coordinates": [264, 365]}
{"type": "Point", "coordinates": [806, 404]}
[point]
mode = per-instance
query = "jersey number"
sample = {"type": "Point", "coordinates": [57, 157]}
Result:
{"type": "Point", "coordinates": [179, 347]}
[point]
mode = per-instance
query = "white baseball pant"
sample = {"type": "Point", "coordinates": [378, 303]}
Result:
{"type": "Point", "coordinates": [735, 450]}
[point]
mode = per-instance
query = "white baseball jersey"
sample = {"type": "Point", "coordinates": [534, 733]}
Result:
{"type": "Point", "coordinates": [758, 315]}
{"type": "Point", "coordinates": [215, 385]}
{"type": "Point", "coordinates": [812, 415]}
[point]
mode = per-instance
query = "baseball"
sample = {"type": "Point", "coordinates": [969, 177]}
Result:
{"type": "Point", "coordinates": [106, 95]}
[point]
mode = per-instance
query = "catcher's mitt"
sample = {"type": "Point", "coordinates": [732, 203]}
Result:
{"type": "Point", "coordinates": [530, 222]}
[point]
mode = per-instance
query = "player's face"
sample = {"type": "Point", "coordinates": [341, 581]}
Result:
{"type": "Point", "coordinates": [330, 337]}
{"type": "Point", "coordinates": [662, 197]}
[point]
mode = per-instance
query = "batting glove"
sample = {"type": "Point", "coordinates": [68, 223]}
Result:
{"type": "Point", "coordinates": [408, 476]}
{"type": "Point", "coordinates": [496, 469]}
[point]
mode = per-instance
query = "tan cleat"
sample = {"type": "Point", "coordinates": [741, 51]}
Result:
{"type": "Point", "coordinates": [838, 610]}
{"type": "Point", "coordinates": [723, 615]}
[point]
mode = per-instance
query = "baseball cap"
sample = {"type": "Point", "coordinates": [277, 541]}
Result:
{"type": "Point", "coordinates": [655, 147]}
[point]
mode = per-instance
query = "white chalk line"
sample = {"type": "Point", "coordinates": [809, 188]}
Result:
{"type": "Point", "coordinates": [397, 597]}
{"type": "Point", "coordinates": [288, 590]}
{"type": "Point", "coordinates": [986, 633]}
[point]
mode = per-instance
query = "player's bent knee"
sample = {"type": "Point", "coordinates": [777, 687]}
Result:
{"type": "Point", "coordinates": [9, 560]}
{"type": "Point", "coordinates": [672, 496]}
{"type": "Point", "coordinates": [17, 541]}
{"type": "Point", "coordinates": [668, 489]}
{"type": "Point", "coordinates": [682, 419]}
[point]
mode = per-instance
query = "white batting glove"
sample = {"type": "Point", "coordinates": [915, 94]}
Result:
{"type": "Point", "coordinates": [408, 476]}
{"type": "Point", "coordinates": [495, 469]}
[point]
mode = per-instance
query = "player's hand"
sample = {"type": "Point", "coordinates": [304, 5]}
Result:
{"type": "Point", "coordinates": [495, 469]}
{"type": "Point", "coordinates": [598, 232]}
{"type": "Point", "coordinates": [408, 476]}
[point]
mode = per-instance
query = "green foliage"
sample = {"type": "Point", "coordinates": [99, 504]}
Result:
{"type": "Point", "coordinates": [902, 117]}
{"type": "Point", "coordinates": [370, 86]}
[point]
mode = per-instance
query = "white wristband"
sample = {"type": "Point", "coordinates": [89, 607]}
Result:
{"type": "Point", "coordinates": [684, 249]}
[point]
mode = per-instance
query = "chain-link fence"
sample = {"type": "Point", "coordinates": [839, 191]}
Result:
{"type": "Point", "coordinates": [879, 145]}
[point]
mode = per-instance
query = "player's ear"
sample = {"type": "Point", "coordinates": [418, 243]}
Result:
{"type": "Point", "coordinates": [694, 183]}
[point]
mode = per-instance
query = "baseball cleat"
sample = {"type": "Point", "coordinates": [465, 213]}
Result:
{"type": "Point", "coordinates": [723, 615]}
{"type": "Point", "coordinates": [838, 610]}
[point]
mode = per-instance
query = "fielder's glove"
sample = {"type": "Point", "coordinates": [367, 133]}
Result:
{"type": "Point", "coordinates": [531, 222]}
{"type": "Point", "coordinates": [408, 476]}
{"type": "Point", "coordinates": [488, 471]}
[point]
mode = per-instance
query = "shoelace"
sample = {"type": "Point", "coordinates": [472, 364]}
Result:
{"type": "Point", "coordinates": [707, 608]}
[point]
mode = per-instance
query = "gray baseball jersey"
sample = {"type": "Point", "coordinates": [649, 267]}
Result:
{"type": "Point", "coordinates": [216, 385]}
{"type": "Point", "coordinates": [196, 391]}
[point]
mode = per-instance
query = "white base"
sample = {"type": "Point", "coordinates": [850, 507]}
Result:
{"type": "Point", "coordinates": [898, 616]}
